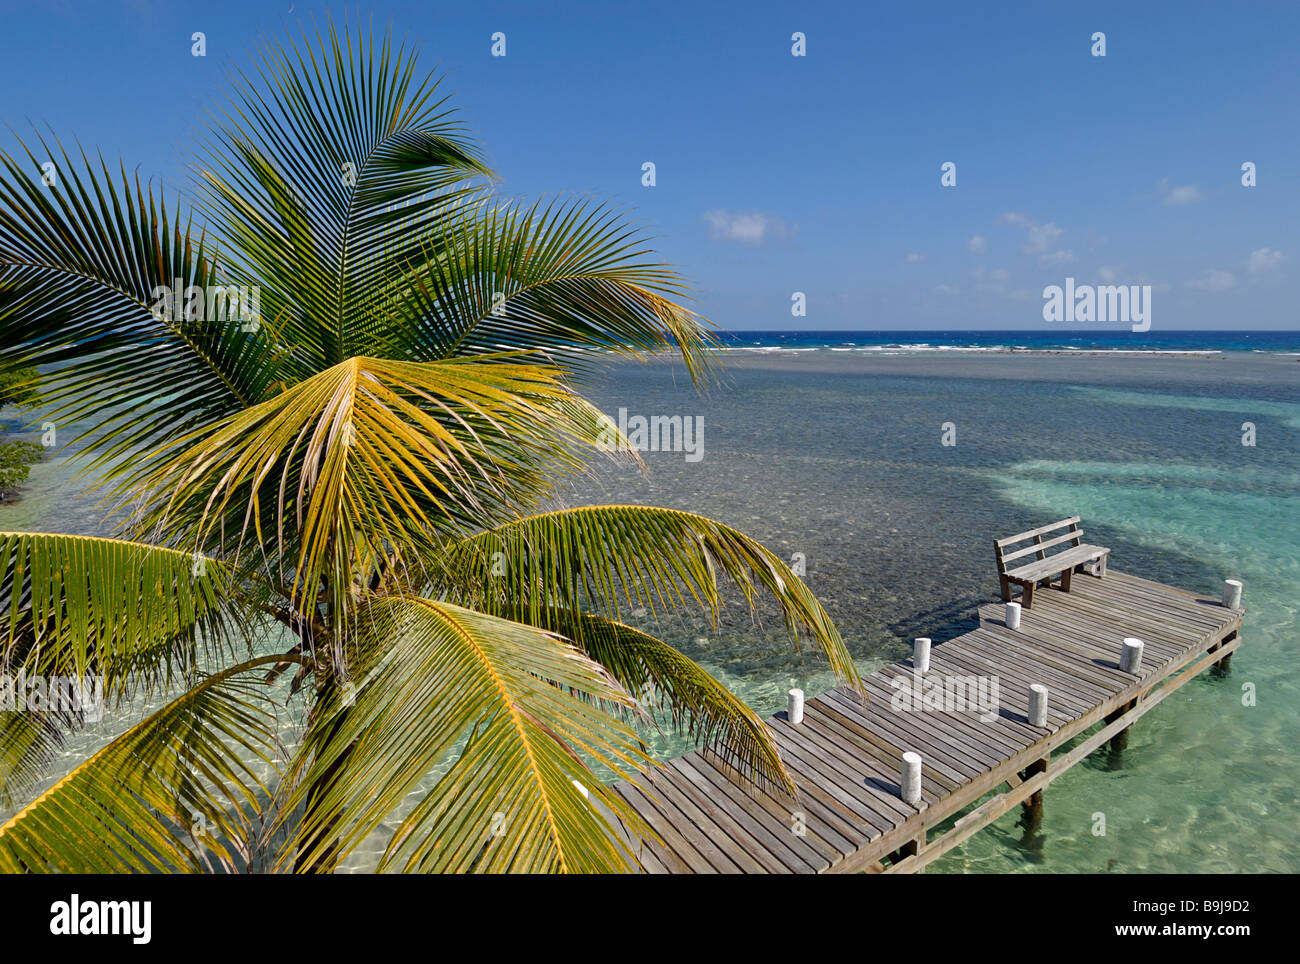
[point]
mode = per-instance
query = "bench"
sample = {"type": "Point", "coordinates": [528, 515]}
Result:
{"type": "Point", "coordinates": [1070, 554]}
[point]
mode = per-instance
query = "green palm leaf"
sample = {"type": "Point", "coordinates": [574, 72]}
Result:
{"type": "Point", "coordinates": [607, 558]}
{"type": "Point", "coordinates": [659, 675]}
{"type": "Point", "coordinates": [81, 264]}
{"type": "Point", "coordinates": [133, 615]}
{"type": "Point", "coordinates": [174, 791]}
{"type": "Point", "coordinates": [568, 278]}
{"type": "Point", "coordinates": [433, 677]}
{"type": "Point", "coordinates": [322, 480]}
{"type": "Point", "coordinates": [110, 617]}
{"type": "Point", "coordinates": [28, 742]}
{"type": "Point", "coordinates": [355, 153]}
{"type": "Point", "coordinates": [337, 464]}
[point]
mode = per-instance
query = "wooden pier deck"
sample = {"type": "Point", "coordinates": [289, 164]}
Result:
{"type": "Point", "coordinates": [846, 754]}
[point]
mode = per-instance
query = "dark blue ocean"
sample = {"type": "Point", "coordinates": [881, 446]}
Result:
{"type": "Point", "coordinates": [1052, 340]}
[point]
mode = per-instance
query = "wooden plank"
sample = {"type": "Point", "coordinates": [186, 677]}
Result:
{"type": "Point", "coordinates": [793, 850]}
{"type": "Point", "coordinates": [1000, 741]}
{"type": "Point", "coordinates": [988, 812]}
{"type": "Point", "coordinates": [977, 744]}
{"type": "Point", "coordinates": [848, 786]}
{"type": "Point", "coordinates": [710, 840]}
{"type": "Point", "coordinates": [1020, 536]}
{"type": "Point", "coordinates": [828, 831]}
{"type": "Point", "coordinates": [959, 757]}
{"type": "Point", "coordinates": [1051, 565]}
{"type": "Point", "coordinates": [1040, 546]}
{"type": "Point", "coordinates": [846, 754]}
{"type": "Point", "coordinates": [1019, 665]}
{"type": "Point", "coordinates": [886, 744]}
{"type": "Point", "coordinates": [676, 847]}
{"type": "Point", "coordinates": [1008, 731]}
{"type": "Point", "coordinates": [753, 849]}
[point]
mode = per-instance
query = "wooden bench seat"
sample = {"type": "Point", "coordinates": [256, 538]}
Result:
{"type": "Point", "coordinates": [1069, 554]}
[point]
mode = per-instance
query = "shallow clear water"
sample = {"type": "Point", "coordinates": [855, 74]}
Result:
{"type": "Point", "coordinates": [839, 458]}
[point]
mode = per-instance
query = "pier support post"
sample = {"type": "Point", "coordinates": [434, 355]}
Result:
{"type": "Point", "coordinates": [912, 847]}
{"type": "Point", "coordinates": [1013, 615]}
{"type": "Point", "coordinates": [1231, 600]}
{"type": "Point", "coordinates": [794, 707]}
{"type": "Point", "coordinates": [1120, 740]}
{"type": "Point", "coordinates": [921, 654]}
{"type": "Point", "coordinates": [1130, 661]}
{"type": "Point", "coordinates": [1223, 665]}
{"type": "Point", "coordinates": [911, 778]}
{"type": "Point", "coordinates": [1033, 805]}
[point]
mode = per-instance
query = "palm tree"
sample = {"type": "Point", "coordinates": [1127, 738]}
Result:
{"type": "Point", "coordinates": [367, 461]}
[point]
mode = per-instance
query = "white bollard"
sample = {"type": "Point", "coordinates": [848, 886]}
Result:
{"type": "Point", "coordinates": [1038, 704]}
{"type": "Point", "coordinates": [921, 654]}
{"type": "Point", "coordinates": [1013, 615]}
{"type": "Point", "coordinates": [1130, 659]}
{"type": "Point", "coordinates": [794, 707]}
{"type": "Point", "coordinates": [911, 782]}
{"type": "Point", "coordinates": [1232, 593]}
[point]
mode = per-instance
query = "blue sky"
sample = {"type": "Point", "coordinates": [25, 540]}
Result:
{"type": "Point", "coordinates": [819, 173]}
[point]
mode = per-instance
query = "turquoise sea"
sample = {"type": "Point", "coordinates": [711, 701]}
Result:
{"type": "Point", "coordinates": [837, 455]}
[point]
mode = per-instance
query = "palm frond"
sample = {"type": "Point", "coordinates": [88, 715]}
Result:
{"type": "Point", "coordinates": [136, 617]}
{"type": "Point", "coordinates": [661, 676]}
{"type": "Point", "coordinates": [318, 483]}
{"type": "Point", "coordinates": [331, 155]}
{"type": "Point", "coordinates": [183, 787]}
{"type": "Point", "coordinates": [571, 279]}
{"type": "Point", "coordinates": [89, 267]}
{"type": "Point", "coordinates": [610, 558]}
{"type": "Point", "coordinates": [432, 677]}
{"type": "Point", "coordinates": [28, 742]}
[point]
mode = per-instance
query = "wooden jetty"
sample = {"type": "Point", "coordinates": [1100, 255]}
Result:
{"type": "Point", "coordinates": [847, 755]}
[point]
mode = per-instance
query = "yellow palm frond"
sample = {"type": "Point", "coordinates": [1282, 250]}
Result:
{"type": "Point", "coordinates": [179, 790]}
{"type": "Point", "coordinates": [498, 705]}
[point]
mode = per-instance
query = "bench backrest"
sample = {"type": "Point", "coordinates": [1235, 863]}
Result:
{"type": "Point", "coordinates": [1057, 536]}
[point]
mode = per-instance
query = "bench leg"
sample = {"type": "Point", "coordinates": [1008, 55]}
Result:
{"type": "Point", "coordinates": [1006, 588]}
{"type": "Point", "coordinates": [1101, 565]}
{"type": "Point", "coordinates": [1027, 597]}
{"type": "Point", "coordinates": [1065, 580]}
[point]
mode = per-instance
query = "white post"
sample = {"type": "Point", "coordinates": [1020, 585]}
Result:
{"type": "Point", "coordinates": [794, 707]}
{"type": "Point", "coordinates": [1130, 660]}
{"type": "Point", "coordinates": [1232, 593]}
{"type": "Point", "coordinates": [1013, 615]}
{"type": "Point", "coordinates": [921, 654]}
{"type": "Point", "coordinates": [911, 781]}
{"type": "Point", "coordinates": [1038, 704]}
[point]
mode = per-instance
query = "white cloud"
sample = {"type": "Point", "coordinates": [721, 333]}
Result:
{"type": "Point", "coordinates": [1186, 194]}
{"type": "Point", "coordinates": [977, 245]}
{"type": "Point", "coordinates": [1107, 273]}
{"type": "Point", "coordinates": [945, 290]}
{"type": "Point", "coordinates": [1214, 280]}
{"type": "Point", "coordinates": [749, 227]}
{"type": "Point", "coordinates": [997, 276]}
{"type": "Point", "coordinates": [1056, 257]}
{"type": "Point", "coordinates": [914, 257]}
{"type": "Point", "coordinates": [1040, 239]}
{"type": "Point", "coordinates": [1263, 259]}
